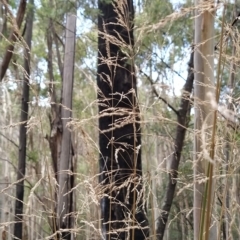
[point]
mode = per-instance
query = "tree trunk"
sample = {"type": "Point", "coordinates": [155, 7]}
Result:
{"type": "Point", "coordinates": [55, 118]}
{"type": "Point", "coordinates": [229, 149]}
{"type": "Point", "coordinates": [122, 207]}
{"type": "Point", "coordinates": [18, 226]}
{"type": "Point", "coordinates": [203, 94]}
{"type": "Point", "coordinates": [66, 157]}
{"type": "Point", "coordinates": [55, 137]}
{"type": "Point", "coordinates": [183, 118]}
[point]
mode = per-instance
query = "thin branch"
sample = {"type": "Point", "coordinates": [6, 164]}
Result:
{"type": "Point", "coordinates": [166, 64]}
{"type": "Point", "coordinates": [14, 35]}
{"type": "Point", "coordinates": [56, 38]}
{"type": "Point", "coordinates": [184, 215]}
{"type": "Point", "coordinates": [227, 32]}
{"type": "Point", "coordinates": [11, 141]}
{"type": "Point", "coordinates": [230, 117]}
{"type": "Point", "coordinates": [59, 39]}
{"type": "Point", "coordinates": [157, 95]}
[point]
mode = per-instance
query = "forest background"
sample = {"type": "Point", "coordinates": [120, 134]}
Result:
{"type": "Point", "coordinates": [187, 105]}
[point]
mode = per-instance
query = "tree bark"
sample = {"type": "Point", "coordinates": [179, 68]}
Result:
{"type": "Point", "coordinates": [55, 137]}
{"type": "Point", "coordinates": [55, 118]}
{"type": "Point", "coordinates": [182, 119]}
{"type": "Point", "coordinates": [18, 226]}
{"type": "Point", "coordinates": [122, 207]}
{"type": "Point", "coordinates": [228, 152]}
{"type": "Point", "coordinates": [14, 35]}
{"type": "Point", "coordinates": [203, 94]}
{"type": "Point", "coordinates": [66, 162]}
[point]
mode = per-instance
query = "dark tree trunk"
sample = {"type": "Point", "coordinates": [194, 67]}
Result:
{"type": "Point", "coordinates": [23, 130]}
{"type": "Point", "coordinates": [183, 119]}
{"type": "Point", "coordinates": [122, 207]}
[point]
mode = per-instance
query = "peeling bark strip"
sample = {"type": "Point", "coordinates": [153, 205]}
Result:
{"type": "Point", "coordinates": [14, 35]}
{"type": "Point", "coordinates": [183, 116]}
{"type": "Point", "coordinates": [122, 208]}
{"type": "Point", "coordinates": [18, 226]}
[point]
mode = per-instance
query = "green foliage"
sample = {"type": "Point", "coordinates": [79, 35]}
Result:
{"type": "Point", "coordinates": [32, 156]}
{"type": "Point", "coordinates": [13, 4]}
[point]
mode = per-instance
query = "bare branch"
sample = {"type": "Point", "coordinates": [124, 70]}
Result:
{"type": "Point", "coordinates": [156, 93]}
{"type": "Point", "coordinates": [11, 141]}
{"type": "Point", "coordinates": [14, 35]}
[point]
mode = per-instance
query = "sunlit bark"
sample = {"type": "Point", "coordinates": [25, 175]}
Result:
{"type": "Point", "coordinates": [65, 178]}
{"type": "Point", "coordinates": [203, 94]}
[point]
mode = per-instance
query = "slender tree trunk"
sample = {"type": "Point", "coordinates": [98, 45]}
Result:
{"type": "Point", "coordinates": [182, 221]}
{"type": "Point", "coordinates": [55, 137]}
{"type": "Point", "coordinates": [203, 94]}
{"type": "Point", "coordinates": [55, 118]}
{"type": "Point", "coordinates": [57, 51]}
{"type": "Point", "coordinates": [6, 199]}
{"type": "Point", "coordinates": [18, 226]}
{"type": "Point", "coordinates": [229, 156]}
{"type": "Point", "coordinates": [6, 168]}
{"type": "Point", "coordinates": [183, 118]}
{"type": "Point", "coordinates": [66, 157]}
{"type": "Point", "coordinates": [122, 210]}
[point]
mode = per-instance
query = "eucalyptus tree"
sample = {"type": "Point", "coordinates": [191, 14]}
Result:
{"type": "Point", "coordinates": [122, 207]}
{"type": "Point", "coordinates": [65, 179]}
{"type": "Point", "coordinates": [203, 95]}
